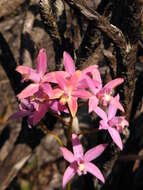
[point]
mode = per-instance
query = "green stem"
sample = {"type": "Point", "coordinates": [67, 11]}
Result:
{"type": "Point", "coordinates": [69, 186]}
{"type": "Point", "coordinates": [69, 143]}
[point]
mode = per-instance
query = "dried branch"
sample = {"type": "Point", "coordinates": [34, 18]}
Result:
{"type": "Point", "coordinates": [13, 164]}
{"type": "Point", "coordinates": [49, 18]}
{"type": "Point", "coordinates": [127, 45]}
{"type": "Point", "coordinates": [27, 46]}
{"type": "Point", "coordinates": [102, 23]}
{"type": "Point", "coordinates": [8, 7]}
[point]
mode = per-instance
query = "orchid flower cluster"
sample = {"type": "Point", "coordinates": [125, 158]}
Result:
{"type": "Point", "coordinates": [59, 92]}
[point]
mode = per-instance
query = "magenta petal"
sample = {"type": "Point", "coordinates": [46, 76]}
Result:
{"type": "Point", "coordinates": [101, 113]}
{"type": "Point", "coordinates": [42, 62]}
{"type": "Point", "coordinates": [54, 106]}
{"type": "Point", "coordinates": [69, 173]}
{"type": "Point", "coordinates": [51, 77]}
{"type": "Point", "coordinates": [24, 69]}
{"type": "Point", "coordinates": [75, 79]}
{"type": "Point", "coordinates": [97, 77]}
{"type": "Point", "coordinates": [63, 108]}
{"type": "Point", "coordinates": [77, 147]}
{"type": "Point", "coordinates": [90, 69]}
{"type": "Point", "coordinates": [112, 109]}
{"type": "Point", "coordinates": [93, 103]}
{"type": "Point", "coordinates": [68, 155]}
{"type": "Point", "coordinates": [28, 91]}
{"type": "Point", "coordinates": [94, 170]}
{"type": "Point", "coordinates": [103, 125]}
{"type": "Point", "coordinates": [56, 93]}
{"type": "Point", "coordinates": [115, 101]}
{"type": "Point", "coordinates": [114, 83]}
{"type": "Point", "coordinates": [28, 73]}
{"type": "Point", "coordinates": [91, 85]}
{"type": "Point", "coordinates": [81, 94]}
{"type": "Point", "coordinates": [46, 88]}
{"type": "Point", "coordinates": [19, 114]}
{"type": "Point", "coordinates": [72, 104]}
{"type": "Point", "coordinates": [38, 115]}
{"type": "Point", "coordinates": [34, 76]}
{"type": "Point", "coordinates": [116, 137]}
{"type": "Point", "coordinates": [82, 83]}
{"type": "Point", "coordinates": [93, 153]}
{"type": "Point", "coordinates": [69, 63]}
{"type": "Point", "coordinates": [62, 82]}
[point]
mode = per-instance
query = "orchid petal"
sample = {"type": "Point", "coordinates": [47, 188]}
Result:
{"type": "Point", "coordinates": [94, 170]}
{"type": "Point", "coordinates": [103, 125]}
{"type": "Point", "coordinates": [54, 106]}
{"type": "Point", "coordinates": [74, 80]}
{"type": "Point", "coordinates": [91, 85]}
{"type": "Point", "coordinates": [69, 63]}
{"type": "Point", "coordinates": [38, 115]}
{"type": "Point", "coordinates": [95, 152]}
{"type": "Point", "coordinates": [24, 69]}
{"type": "Point", "coordinates": [62, 82]}
{"type": "Point", "coordinates": [34, 76]}
{"type": "Point", "coordinates": [92, 104]}
{"type": "Point", "coordinates": [51, 77]}
{"type": "Point", "coordinates": [113, 106]}
{"type": "Point", "coordinates": [116, 137]}
{"type": "Point", "coordinates": [28, 73]}
{"type": "Point", "coordinates": [69, 173]}
{"type": "Point", "coordinates": [68, 155]}
{"type": "Point", "coordinates": [28, 91]}
{"type": "Point", "coordinates": [82, 83]}
{"type": "Point", "coordinates": [72, 104]}
{"type": "Point", "coordinates": [90, 69]}
{"type": "Point", "coordinates": [62, 108]}
{"type": "Point", "coordinates": [56, 93]}
{"type": "Point", "coordinates": [19, 114]}
{"type": "Point", "coordinates": [114, 83]}
{"type": "Point", "coordinates": [46, 88]}
{"type": "Point", "coordinates": [42, 62]}
{"type": "Point", "coordinates": [112, 109]}
{"type": "Point", "coordinates": [97, 77]}
{"type": "Point", "coordinates": [101, 113]}
{"type": "Point", "coordinates": [81, 94]}
{"type": "Point", "coordinates": [77, 147]}
{"type": "Point", "coordinates": [115, 101]}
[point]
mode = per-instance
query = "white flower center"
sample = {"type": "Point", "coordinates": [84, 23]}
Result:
{"type": "Point", "coordinates": [81, 167]}
{"type": "Point", "coordinates": [122, 124]}
{"type": "Point", "coordinates": [107, 97]}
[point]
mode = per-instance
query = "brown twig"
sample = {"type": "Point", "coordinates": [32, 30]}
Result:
{"type": "Point", "coordinates": [130, 157]}
{"type": "Point", "coordinates": [8, 7]}
{"type": "Point", "coordinates": [102, 23]}
{"type": "Point", "coordinates": [26, 41]}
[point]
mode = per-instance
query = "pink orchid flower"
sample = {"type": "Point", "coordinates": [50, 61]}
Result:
{"type": "Point", "coordinates": [102, 95]}
{"type": "Point", "coordinates": [36, 110]}
{"type": "Point", "coordinates": [80, 163]}
{"type": "Point", "coordinates": [69, 64]}
{"type": "Point", "coordinates": [91, 77]}
{"type": "Point", "coordinates": [105, 93]}
{"type": "Point", "coordinates": [92, 72]}
{"type": "Point", "coordinates": [35, 75]}
{"type": "Point", "coordinates": [112, 123]}
{"type": "Point", "coordinates": [27, 109]}
{"type": "Point", "coordinates": [94, 98]}
{"type": "Point", "coordinates": [69, 69]}
{"type": "Point", "coordinates": [69, 92]}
